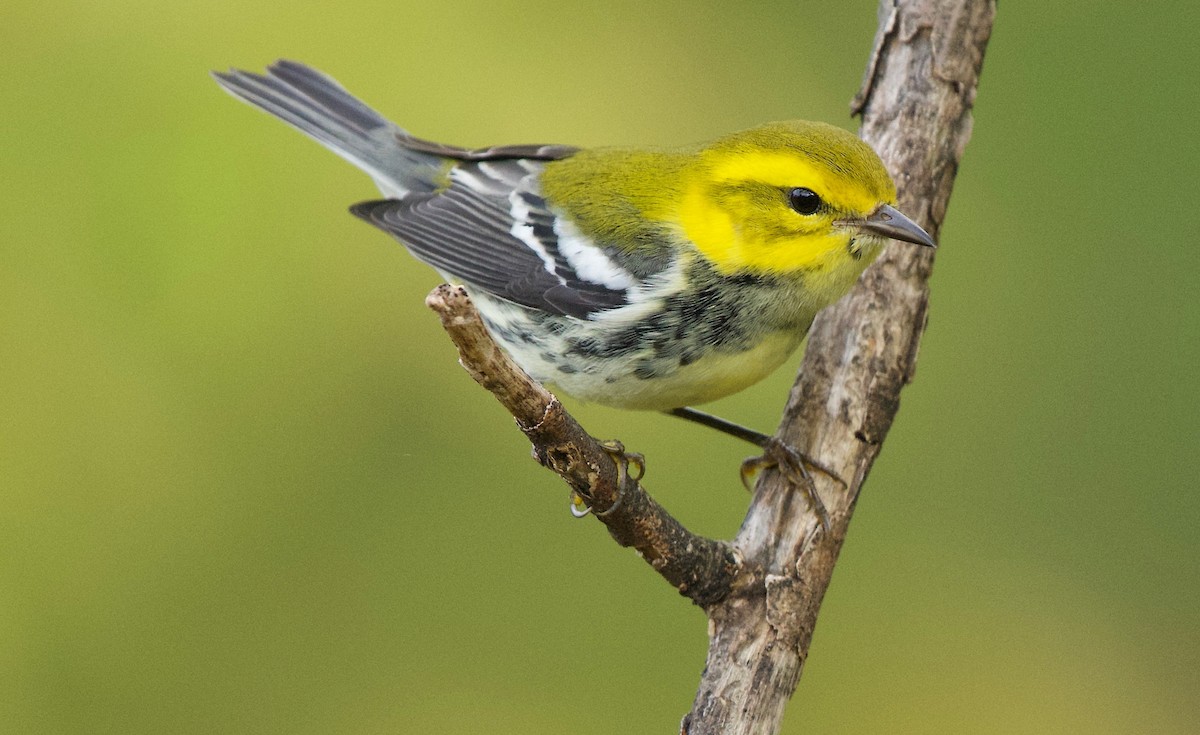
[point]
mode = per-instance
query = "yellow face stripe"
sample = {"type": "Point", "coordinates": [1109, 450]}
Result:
{"type": "Point", "coordinates": [788, 171]}
{"type": "Point", "coordinates": [732, 246]}
{"type": "Point", "coordinates": [735, 211]}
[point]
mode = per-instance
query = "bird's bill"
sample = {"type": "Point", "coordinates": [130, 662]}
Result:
{"type": "Point", "coordinates": [888, 221]}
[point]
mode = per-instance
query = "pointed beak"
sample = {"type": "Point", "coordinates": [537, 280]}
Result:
{"type": "Point", "coordinates": [886, 220]}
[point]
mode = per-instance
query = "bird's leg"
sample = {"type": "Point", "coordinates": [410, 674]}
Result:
{"type": "Point", "coordinates": [788, 460]}
{"type": "Point", "coordinates": [757, 438]}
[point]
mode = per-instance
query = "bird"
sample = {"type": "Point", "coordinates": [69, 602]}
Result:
{"type": "Point", "coordinates": [640, 278]}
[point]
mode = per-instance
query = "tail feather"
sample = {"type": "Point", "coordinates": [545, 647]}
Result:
{"type": "Point", "coordinates": [324, 90]}
{"type": "Point", "coordinates": [319, 107]}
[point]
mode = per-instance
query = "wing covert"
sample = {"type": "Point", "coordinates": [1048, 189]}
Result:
{"type": "Point", "coordinates": [492, 230]}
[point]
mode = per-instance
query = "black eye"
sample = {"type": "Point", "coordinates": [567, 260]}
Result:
{"type": "Point", "coordinates": [804, 201]}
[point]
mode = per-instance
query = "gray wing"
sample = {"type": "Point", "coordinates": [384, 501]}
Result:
{"type": "Point", "coordinates": [489, 228]}
{"type": "Point", "coordinates": [493, 231]}
{"type": "Point", "coordinates": [533, 152]}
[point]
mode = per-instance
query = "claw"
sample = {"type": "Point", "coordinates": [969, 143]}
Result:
{"type": "Point", "coordinates": [579, 506]}
{"type": "Point", "coordinates": [615, 449]}
{"type": "Point", "coordinates": [623, 459]}
{"type": "Point", "coordinates": [794, 467]}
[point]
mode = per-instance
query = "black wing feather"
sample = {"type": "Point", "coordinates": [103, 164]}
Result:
{"type": "Point", "coordinates": [495, 153]}
{"type": "Point", "coordinates": [467, 234]}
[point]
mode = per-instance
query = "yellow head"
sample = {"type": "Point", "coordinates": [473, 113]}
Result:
{"type": "Point", "coordinates": [791, 198]}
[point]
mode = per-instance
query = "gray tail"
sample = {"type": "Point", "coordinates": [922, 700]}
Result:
{"type": "Point", "coordinates": [319, 107]}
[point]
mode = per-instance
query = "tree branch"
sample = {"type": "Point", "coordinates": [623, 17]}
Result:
{"type": "Point", "coordinates": [916, 106]}
{"type": "Point", "coordinates": [700, 568]}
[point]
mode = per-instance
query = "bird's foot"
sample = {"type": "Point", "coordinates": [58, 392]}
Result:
{"type": "Point", "coordinates": [623, 460]}
{"type": "Point", "coordinates": [794, 467]}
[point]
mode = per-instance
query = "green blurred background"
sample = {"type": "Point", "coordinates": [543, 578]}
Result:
{"type": "Point", "coordinates": [245, 488]}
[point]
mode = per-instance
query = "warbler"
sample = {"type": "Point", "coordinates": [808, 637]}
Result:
{"type": "Point", "coordinates": [631, 277]}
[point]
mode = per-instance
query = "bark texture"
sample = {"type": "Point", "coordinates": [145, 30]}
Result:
{"type": "Point", "coordinates": [916, 105]}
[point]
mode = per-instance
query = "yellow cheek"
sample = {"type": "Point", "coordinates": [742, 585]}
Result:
{"type": "Point", "coordinates": [734, 247]}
